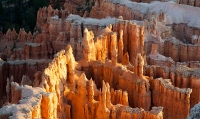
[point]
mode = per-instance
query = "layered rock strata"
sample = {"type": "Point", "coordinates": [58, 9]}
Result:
{"type": "Point", "coordinates": [17, 69]}
{"type": "Point", "coordinates": [155, 58]}
{"type": "Point", "coordinates": [180, 76]}
{"type": "Point", "coordinates": [119, 78]}
{"type": "Point", "coordinates": [171, 98]}
{"type": "Point", "coordinates": [177, 50]}
{"type": "Point", "coordinates": [27, 103]}
{"type": "Point", "coordinates": [33, 51]}
{"type": "Point", "coordinates": [71, 83]}
{"type": "Point", "coordinates": [116, 35]}
{"type": "Point", "coordinates": [102, 9]}
{"type": "Point", "coordinates": [22, 36]}
{"type": "Point", "coordinates": [66, 93]}
{"type": "Point", "coordinates": [111, 55]}
{"type": "Point", "coordinates": [36, 103]}
{"type": "Point", "coordinates": [186, 33]}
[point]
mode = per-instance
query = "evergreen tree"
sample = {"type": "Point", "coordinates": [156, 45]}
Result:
{"type": "Point", "coordinates": [23, 14]}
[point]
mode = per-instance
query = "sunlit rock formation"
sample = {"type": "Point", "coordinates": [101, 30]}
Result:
{"type": "Point", "coordinates": [110, 59]}
{"type": "Point", "coordinates": [72, 99]}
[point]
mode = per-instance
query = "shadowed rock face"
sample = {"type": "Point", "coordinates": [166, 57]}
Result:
{"type": "Point", "coordinates": [17, 69]}
{"type": "Point", "coordinates": [194, 112]}
{"type": "Point", "coordinates": [55, 3]}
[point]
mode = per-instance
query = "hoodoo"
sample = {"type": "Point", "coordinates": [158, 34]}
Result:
{"type": "Point", "coordinates": [103, 59]}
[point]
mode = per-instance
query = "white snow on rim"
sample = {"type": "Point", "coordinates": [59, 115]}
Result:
{"type": "Point", "coordinates": [176, 13]}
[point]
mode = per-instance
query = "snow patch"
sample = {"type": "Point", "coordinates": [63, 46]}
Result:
{"type": "Point", "coordinates": [158, 56]}
{"type": "Point", "coordinates": [33, 44]}
{"type": "Point", "coordinates": [175, 13]}
{"type": "Point", "coordinates": [30, 98]}
{"type": "Point", "coordinates": [100, 22]}
{"type": "Point", "coordinates": [195, 37]}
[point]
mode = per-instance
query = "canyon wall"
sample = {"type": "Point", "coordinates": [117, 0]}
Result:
{"type": "Point", "coordinates": [33, 51]}
{"type": "Point", "coordinates": [22, 36]}
{"type": "Point", "coordinates": [181, 52]}
{"type": "Point", "coordinates": [73, 32]}
{"type": "Point", "coordinates": [71, 84]}
{"type": "Point", "coordinates": [44, 14]}
{"type": "Point", "coordinates": [36, 103]}
{"type": "Point", "coordinates": [102, 9]}
{"type": "Point", "coordinates": [112, 56]}
{"type": "Point", "coordinates": [140, 96]}
{"type": "Point", "coordinates": [119, 78]}
{"type": "Point", "coordinates": [26, 46]}
{"type": "Point", "coordinates": [116, 36]}
{"type": "Point", "coordinates": [133, 38]}
{"type": "Point", "coordinates": [182, 31]}
{"type": "Point", "coordinates": [27, 103]}
{"type": "Point", "coordinates": [176, 49]}
{"type": "Point", "coordinates": [73, 95]}
{"type": "Point", "coordinates": [173, 99]}
{"type": "Point", "coordinates": [60, 32]}
{"type": "Point", "coordinates": [17, 69]}
{"type": "Point", "coordinates": [180, 76]}
{"type": "Point", "coordinates": [66, 93]}
{"type": "Point", "coordinates": [154, 58]}
{"type": "Point", "coordinates": [174, 46]}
